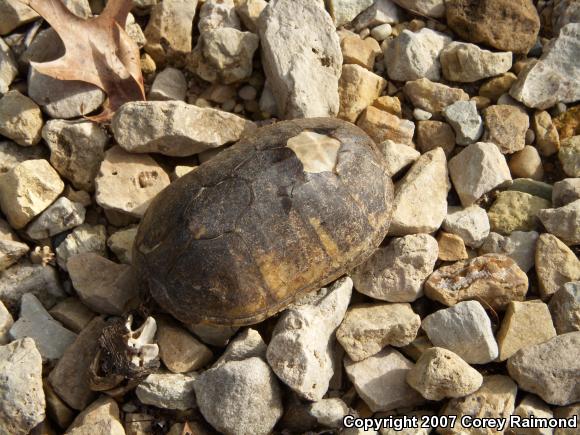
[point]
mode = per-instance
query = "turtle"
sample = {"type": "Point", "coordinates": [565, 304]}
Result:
{"type": "Point", "coordinates": [289, 208]}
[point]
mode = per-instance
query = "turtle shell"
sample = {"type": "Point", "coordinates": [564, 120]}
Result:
{"type": "Point", "coordinates": [284, 211]}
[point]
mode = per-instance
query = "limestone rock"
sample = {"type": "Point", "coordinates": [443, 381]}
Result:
{"type": "Point", "coordinates": [389, 104]}
{"type": "Point", "coordinates": [121, 243]}
{"type": "Point", "coordinates": [467, 63]}
{"type": "Point", "coordinates": [567, 412]}
{"type": "Point", "coordinates": [549, 369]}
{"type": "Point", "coordinates": [10, 252]}
{"type": "Point", "coordinates": [62, 215]}
{"type": "Point", "coordinates": [300, 351]}
{"type": "Point", "coordinates": [547, 138]}
{"type": "Point", "coordinates": [22, 404]}
{"type": "Point", "coordinates": [175, 128]}
{"type": "Point", "coordinates": [344, 11]}
{"type": "Point", "coordinates": [247, 344]}
{"type": "Point", "coordinates": [20, 119]}
{"type": "Point", "coordinates": [440, 373]}
{"type": "Point", "coordinates": [430, 8]}
{"type": "Point", "coordinates": [533, 187]}
{"type": "Point", "coordinates": [329, 412]}
{"type": "Point", "coordinates": [466, 122]}
{"type": "Point", "coordinates": [397, 271]}
{"type": "Point", "coordinates": [11, 154]}
{"type": "Point", "coordinates": [72, 313]}
{"type": "Point", "coordinates": [99, 418]}
{"type": "Point", "coordinates": [465, 329]}
{"type": "Point", "coordinates": [527, 163]}
{"type": "Point", "coordinates": [493, 278]}
{"type": "Point", "coordinates": [214, 14]}
{"type": "Point", "coordinates": [556, 264]}
{"type": "Point", "coordinates": [249, 12]}
{"type": "Point", "coordinates": [358, 51]}
{"type": "Point", "coordinates": [470, 223]}
{"type": "Point", "coordinates": [6, 322]}
{"type": "Point", "coordinates": [520, 246]}
{"type": "Point", "coordinates": [358, 88]}
{"type": "Point", "coordinates": [412, 200]}
{"type": "Point", "coordinates": [216, 335]}
{"type": "Point", "coordinates": [516, 211]}
{"type": "Point", "coordinates": [13, 14]}
{"type": "Point", "coordinates": [565, 308]}
{"type": "Point", "coordinates": [433, 134]}
{"type": "Point", "coordinates": [566, 191]}
{"type": "Point", "coordinates": [167, 391]}
{"type": "Point", "coordinates": [569, 156]}
{"type": "Point", "coordinates": [8, 67]}
{"type": "Point", "coordinates": [169, 84]}
{"type": "Point", "coordinates": [368, 328]}
{"type": "Point", "coordinates": [397, 156]}
{"type": "Point", "coordinates": [432, 97]}
{"type": "Point", "coordinates": [299, 42]}
{"type": "Point", "coordinates": [495, 87]}
{"type": "Point", "coordinates": [381, 125]}
{"type": "Point", "coordinates": [451, 247]}
{"type": "Point", "coordinates": [380, 12]}
{"type": "Point", "coordinates": [84, 238]}
{"type": "Point", "coordinates": [530, 407]}
{"type": "Point", "coordinates": [412, 56]}
{"type": "Point", "coordinates": [563, 222]}
{"type": "Point", "coordinates": [506, 126]}
{"type": "Point", "coordinates": [380, 380]}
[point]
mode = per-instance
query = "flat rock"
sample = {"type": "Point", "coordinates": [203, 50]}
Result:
{"type": "Point", "coordinates": [61, 216]}
{"type": "Point", "coordinates": [20, 119]}
{"type": "Point", "coordinates": [493, 278]}
{"type": "Point", "coordinates": [358, 88]}
{"type": "Point", "coordinates": [506, 127]}
{"type": "Point", "coordinates": [344, 11]}
{"type": "Point", "coordinates": [429, 8]}
{"type": "Point", "coordinates": [556, 264]}
{"type": "Point", "coordinates": [470, 223]}
{"type": "Point", "coordinates": [22, 404]}
{"type": "Point", "coordinates": [465, 329]}
{"type": "Point", "coordinates": [533, 187]}
{"type": "Point", "coordinates": [412, 56]}
{"type": "Point", "coordinates": [432, 97]}
{"type": "Point", "coordinates": [563, 222]}
{"type": "Point", "coordinates": [433, 134]}
{"type": "Point", "coordinates": [381, 125]}
{"type": "Point", "coordinates": [72, 313]}
{"type": "Point", "coordinates": [8, 67]}
{"type": "Point", "coordinates": [368, 328]}
{"type": "Point", "coordinates": [169, 84]}
{"type": "Point", "coordinates": [398, 156]}
{"type": "Point", "coordinates": [569, 156]}
{"type": "Point", "coordinates": [467, 63]}
{"type": "Point", "coordinates": [380, 380]}
{"type": "Point", "coordinates": [565, 308]}
{"type": "Point", "coordinates": [300, 351]}
{"type": "Point", "coordinates": [397, 271]}
{"type": "Point", "coordinates": [175, 128]}
{"type": "Point", "coordinates": [440, 373]}
{"type": "Point", "coordinates": [167, 391]}
{"type": "Point", "coordinates": [549, 369]}
{"type": "Point", "coordinates": [466, 122]}
{"type": "Point", "coordinates": [520, 246]}
{"type": "Point", "coordinates": [10, 252]}
{"type": "Point", "coordinates": [516, 211]}
{"type": "Point", "coordinates": [299, 42]}
{"type": "Point", "coordinates": [566, 191]}
{"type": "Point", "coordinates": [84, 238]}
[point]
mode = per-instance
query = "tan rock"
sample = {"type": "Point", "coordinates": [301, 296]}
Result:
{"type": "Point", "coordinates": [506, 127]}
{"type": "Point", "coordinates": [359, 51]}
{"type": "Point", "coordinates": [20, 119]}
{"type": "Point", "coordinates": [56, 409]}
{"type": "Point", "coordinates": [249, 12]}
{"type": "Point", "coordinates": [516, 211]}
{"type": "Point", "coordinates": [467, 63]}
{"type": "Point", "coordinates": [10, 252]}
{"type": "Point", "coordinates": [493, 278]}
{"type": "Point", "coordinates": [524, 324]}
{"type": "Point", "coordinates": [398, 156]}
{"type": "Point", "coordinates": [13, 14]}
{"type": "Point", "coordinates": [72, 314]}
{"type": "Point", "coordinates": [357, 89]}
{"type": "Point", "coordinates": [27, 190]}
{"type": "Point", "coordinates": [381, 125]}
{"type": "Point", "coordinates": [556, 264]}
{"type": "Point", "coordinates": [432, 97]}
{"type": "Point", "coordinates": [100, 418]}
{"type": "Point", "coordinates": [497, 86]}
{"type": "Point", "coordinates": [433, 134]}
{"type": "Point", "coordinates": [530, 407]}
{"type": "Point", "coordinates": [389, 104]}
{"type": "Point", "coordinates": [526, 163]}
{"type": "Point", "coordinates": [451, 247]}
{"type": "Point", "coordinates": [568, 123]}
{"type": "Point", "coordinates": [567, 412]}
{"type": "Point", "coordinates": [547, 138]}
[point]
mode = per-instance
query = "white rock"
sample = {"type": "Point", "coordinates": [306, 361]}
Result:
{"type": "Point", "coordinates": [167, 391]}
{"type": "Point", "coordinates": [563, 222]}
{"type": "Point", "coordinates": [175, 128]}
{"type": "Point", "coordinates": [464, 62]}
{"type": "Point", "coordinates": [466, 122]}
{"type": "Point", "coordinates": [169, 84]}
{"type": "Point", "coordinates": [10, 252]}
{"type": "Point", "coordinates": [519, 246]}
{"type": "Point", "coordinates": [50, 336]}
{"type": "Point", "coordinates": [430, 8]}
{"type": "Point", "coordinates": [398, 156]}
{"type": "Point", "coordinates": [565, 308]}
{"type": "Point", "coordinates": [6, 322]}
{"type": "Point", "coordinates": [470, 223]}
{"type": "Point", "coordinates": [62, 215]}
{"type": "Point", "coordinates": [417, 209]}
{"type": "Point", "coordinates": [84, 238]}
{"type": "Point", "coordinates": [301, 57]}
{"type": "Point", "coordinates": [380, 380]}
{"type": "Point", "coordinates": [8, 67]}
{"type": "Point", "coordinates": [344, 11]}
{"type": "Point", "coordinates": [555, 77]}
{"type": "Point", "coordinates": [214, 14]}
{"type": "Point", "coordinates": [478, 169]}
{"type": "Point", "coordinates": [396, 272]}
{"type": "Point", "coordinates": [121, 243]}
{"type": "Point", "coordinates": [247, 344]}
{"type": "Point", "coordinates": [328, 412]}
{"type": "Point", "coordinates": [381, 12]}
{"type": "Point", "coordinates": [465, 329]}
{"type": "Point", "coordinates": [300, 351]}
{"type": "Point", "coordinates": [20, 119]}
{"type": "Point", "coordinates": [412, 56]}
{"type": "Point", "coordinates": [422, 115]}
{"type": "Point", "coordinates": [382, 32]}
{"type": "Point", "coordinates": [22, 405]}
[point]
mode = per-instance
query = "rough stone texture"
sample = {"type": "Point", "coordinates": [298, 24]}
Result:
{"type": "Point", "coordinates": [329, 412]}
{"type": "Point", "coordinates": [381, 125]}
{"type": "Point", "coordinates": [563, 222]}
{"type": "Point", "coordinates": [412, 200]}
{"type": "Point", "coordinates": [249, 12]}
{"type": "Point", "coordinates": [247, 344]}
{"type": "Point", "coordinates": [509, 25]}
{"type": "Point", "coordinates": [565, 308]}
{"type": "Point", "coordinates": [300, 351]}
{"type": "Point", "coordinates": [380, 380]}
{"type": "Point", "coordinates": [524, 324]}
{"type": "Point", "coordinates": [102, 285]}
{"type": "Point", "coordinates": [76, 150]}
{"type": "Point", "coordinates": [566, 191]}
{"type": "Point", "coordinates": [121, 243]}
{"type": "Point", "coordinates": [398, 156]}
{"type": "Point", "coordinates": [495, 399]}
{"type": "Point", "coordinates": [167, 391]}
{"type": "Point", "coordinates": [6, 322]}
{"type": "Point", "coordinates": [547, 138]}
{"type": "Point", "coordinates": [506, 127]}
{"type": "Point", "coordinates": [470, 223]}
{"type": "Point", "coordinates": [127, 183]}
{"type": "Point", "coordinates": [169, 84]}
{"type": "Point", "coordinates": [22, 398]}
{"type": "Point", "coordinates": [554, 78]}
{"type": "Point", "coordinates": [368, 328]}
{"type": "Point", "coordinates": [550, 369]}
{"type": "Point", "coordinates": [396, 272]}
{"type": "Point", "coordinates": [493, 278]}
{"type": "Point", "coordinates": [494, 88]}
{"type": "Point", "coordinates": [8, 67]}
{"type": "Point", "coordinates": [357, 88]}
{"type": "Point", "coordinates": [433, 134]}
{"type": "Point", "coordinates": [530, 407]}
{"type": "Point", "coordinates": [464, 329]}
{"type": "Point", "coordinates": [527, 163]}
{"type": "Point", "coordinates": [430, 8]}
{"type": "Point", "coordinates": [358, 51]}
{"type": "Point", "coordinates": [451, 247]}
{"type": "Point", "coordinates": [10, 252]}
{"type": "Point", "coordinates": [466, 122]}
{"type": "Point", "coordinates": [569, 156]}
{"type": "Point", "coordinates": [100, 418]}
{"type": "Point", "coordinates": [11, 154]}
{"type": "Point", "coordinates": [84, 238]}
{"type": "Point", "coordinates": [389, 104]}
{"type": "Point", "coordinates": [440, 373]}
{"type": "Point", "coordinates": [72, 313]}
{"type": "Point", "coordinates": [516, 211]}
{"type": "Point", "coordinates": [344, 11]}
{"type": "Point", "coordinates": [467, 63]}
{"type": "Point", "coordinates": [381, 12]}
{"type": "Point", "coordinates": [175, 128]}
{"type": "Point", "coordinates": [299, 42]}
{"type": "Point", "coordinates": [50, 337]}
{"type": "Point", "coordinates": [520, 246]}
{"type": "Point", "coordinates": [556, 264]}
{"type": "Point", "coordinates": [412, 56]}
{"type": "Point", "coordinates": [432, 97]}
{"type": "Point", "coordinates": [476, 170]}
{"type": "Point", "coordinates": [61, 216]}
{"type": "Point", "coordinates": [20, 119]}
{"type": "Point", "coordinates": [214, 14]}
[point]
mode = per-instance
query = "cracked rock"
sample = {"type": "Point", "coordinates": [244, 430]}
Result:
{"type": "Point", "coordinates": [61, 216]}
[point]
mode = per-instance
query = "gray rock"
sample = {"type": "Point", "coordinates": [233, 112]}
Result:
{"type": "Point", "coordinates": [566, 191]}
{"type": "Point", "coordinates": [328, 412]}
{"type": "Point", "coordinates": [10, 252]}
{"type": "Point", "coordinates": [84, 238]}
{"type": "Point", "coordinates": [169, 84]}
{"type": "Point", "coordinates": [6, 322]}
{"type": "Point", "coordinates": [247, 344]}
{"type": "Point", "coordinates": [121, 243]}
{"type": "Point", "coordinates": [8, 67]}
{"type": "Point", "coordinates": [563, 222]}
{"type": "Point", "coordinates": [464, 62]}
{"type": "Point", "coordinates": [430, 8]}
{"type": "Point", "coordinates": [61, 216]}
{"type": "Point", "coordinates": [167, 391]}
{"type": "Point", "coordinates": [565, 308]}
{"type": "Point", "coordinates": [519, 246]}
{"type": "Point", "coordinates": [470, 223]}
{"type": "Point", "coordinates": [13, 14]}
{"type": "Point", "coordinates": [50, 336]}
{"type": "Point", "coordinates": [299, 43]}
{"type": "Point", "coordinates": [12, 154]}
{"type": "Point", "coordinates": [22, 404]}
{"type": "Point", "coordinates": [466, 122]}
{"type": "Point", "coordinates": [216, 335]}
{"type": "Point", "coordinates": [381, 12]}
{"type": "Point", "coordinates": [569, 156]}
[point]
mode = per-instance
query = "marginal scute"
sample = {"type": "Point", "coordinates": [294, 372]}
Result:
{"type": "Point", "coordinates": [317, 152]}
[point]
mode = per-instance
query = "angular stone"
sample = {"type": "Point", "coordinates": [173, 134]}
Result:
{"type": "Point", "coordinates": [6, 322]}
{"type": "Point", "coordinates": [61, 216]}
{"type": "Point", "coordinates": [389, 104]}
{"type": "Point", "coordinates": [563, 222]}
{"type": "Point", "coordinates": [99, 418]}
{"type": "Point", "coordinates": [344, 11]}
{"type": "Point", "coordinates": [20, 119]}
{"type": "Point", "coordinates": [465, 329]}
{"type": "Point", "coordinates": [368, 328]}
{"type": "Point", "coordinates": [72, 314]}
{"type": "Point", "coordinates": [329, 412]}
{"type": "Point", "coordinates": [432, 97]}
{"type": "Point", "coordinates": [527, 163]}
{"type": "Point", "coordinates": [569, 156]}
{"type": "Point", "coordinates": [429, 8]}
{"type": "Point", "coordinates": [529, 408]}
{"type": "Point", "coordinates": [247, 344]}
{"type": "Point", "coordinates": [249, 12]}
{"type": "Point", "coordinates": [506, 126]}
{"type": "Point", "coordinates": [13, 14]}
{"type": "Point", "coordinates": [494, 88]}
{"type": "Point", "coordinates": [466, 122]}
{"type": "Point", "coordinates": [550, 369]}
{"type": "Point", "coordinates": [451, 247]}
{"type": "Point", "coordinates": [397, 271]}
{"type": "Point", "coordinates": [381, 126]}
{"type": "Point", "coordinates": [214, 14]}
{"type": "Point", "coordinates": [121, 243]}
{"type": "Point", "coordinates": [175, 128]}
{"type": "Point", "coordinates": [169, 84]}
{"type": "Point", "coordinates": [470, 223]}
{"type": "Point", "coordinates": [412, 56]}
{"type": "Point", "coordinates": [516, 211]}
{"type": "Point", "coordinates": [22, 404]}
{"type": "Point", "coordinates": [397, 156]}
{"type": "Point", "coordinates": [493, 278]}
{"type": "Point", "coordinates": [556, 264]}
{"type": "Point", "coordinates": [10, 252]}
{"type": "Point", "coordinates": [380, 380]}
{"type": "Point", "coordinates": [84, 238]}
{"type": "Point", "coordinates": [416, 209]}
{"type": "Point", "coordinates": [167, 391]}
{"type": "Point", "coordinates": [467, 63]}
{"type": "Point", "coordinates": [433, 134]}
{"type": "Point", "coordinates": [358, 51]}
{"type": "Point", "coordinates": [440, 373]}
{"type": "Point", "coordinates": [565, 308]}
{"type": "Point", "coordinates": [381, 12]}
{"type": "Point", "coordinates": [8, 67]}
{"type": "Point", "coordinates": [520, 246]}
{"type": "Point", "coordinates": [11, 154]}
{"type": "Point", "coordinates": [566, 191]}
{"type": "Point", "coordinates": [311, 33]}
{"type": "Point", "coordinates": [357, 88]}
{"type": "Point", "coordinates": [547, 138]}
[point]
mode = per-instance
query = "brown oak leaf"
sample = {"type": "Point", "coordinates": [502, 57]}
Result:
{"type": "Point", "coordinates": [97, 51]}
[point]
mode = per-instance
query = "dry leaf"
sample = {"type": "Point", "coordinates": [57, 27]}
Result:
{"type": "Point", "coordinates": [97, 51]}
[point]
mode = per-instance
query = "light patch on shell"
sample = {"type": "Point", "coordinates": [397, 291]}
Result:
{"type": "Point", "coordinates": [141, 341]}
{"type": "Point", "coordinates": [317, 152]}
